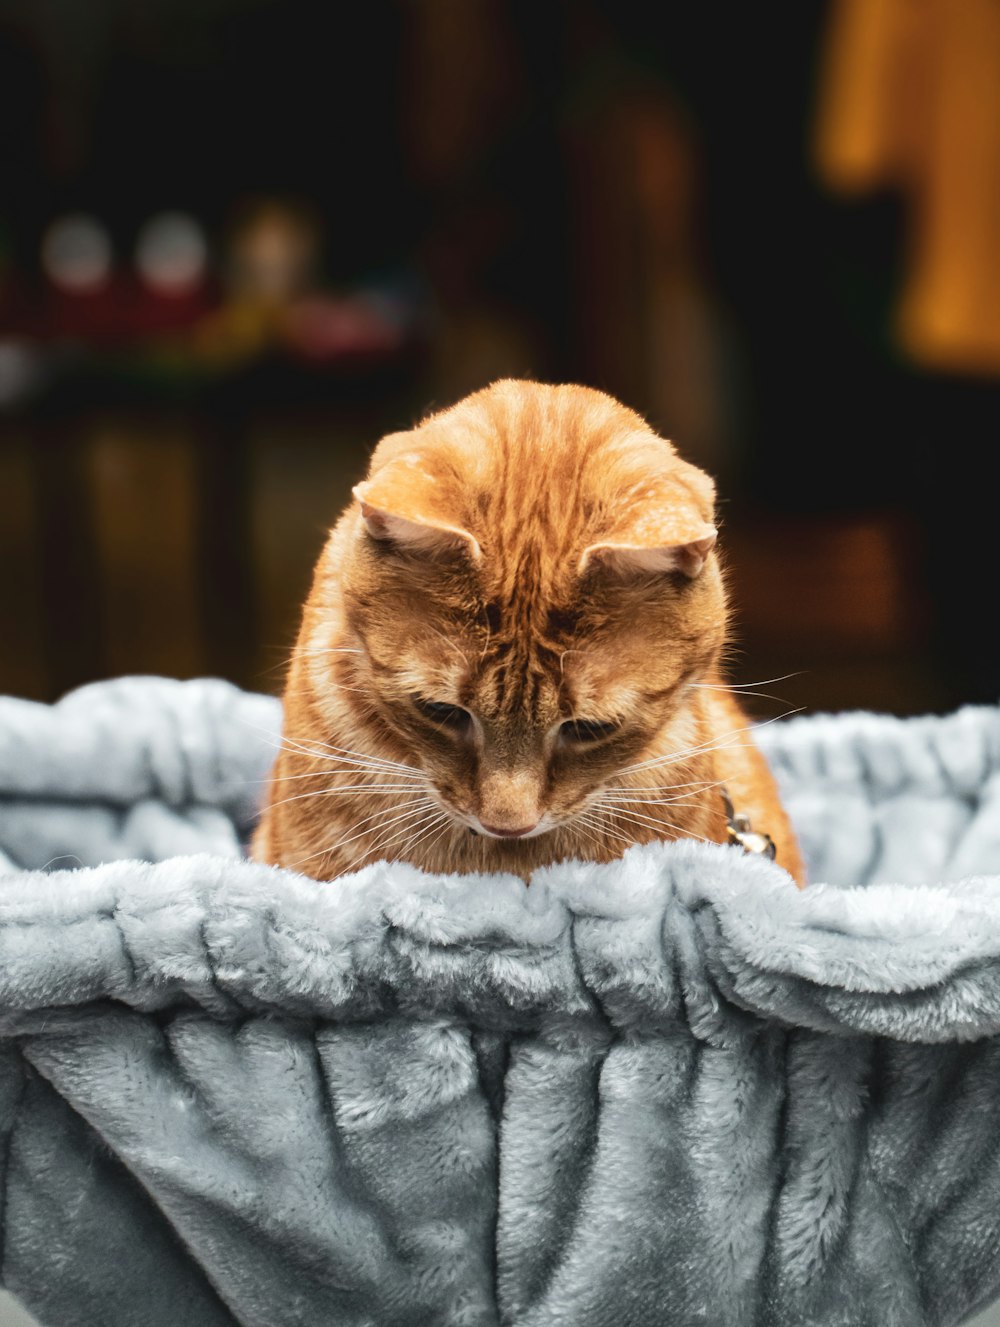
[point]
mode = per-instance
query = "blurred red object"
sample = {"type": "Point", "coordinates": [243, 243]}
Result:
{"type": "Point", "coordinates": [321, 327]}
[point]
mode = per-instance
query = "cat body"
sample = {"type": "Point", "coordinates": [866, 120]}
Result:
{"type": "Point", "coordinates": [510, 653]}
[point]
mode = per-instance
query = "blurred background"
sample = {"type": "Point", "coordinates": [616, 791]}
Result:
{"type": "Point", "coordinates": [242, 239]}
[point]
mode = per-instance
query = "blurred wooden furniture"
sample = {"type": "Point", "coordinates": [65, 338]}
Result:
{"type": "Point", "coordinates": [831, 611]}
{"type": "Point", "coordinates": [177, 539]}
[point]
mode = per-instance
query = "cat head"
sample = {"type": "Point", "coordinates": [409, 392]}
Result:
{"type": "Point", "coordinates": [530, 579]}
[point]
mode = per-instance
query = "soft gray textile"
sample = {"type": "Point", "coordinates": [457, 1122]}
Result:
{"type": "Point", "coordinates": [670, 1090]}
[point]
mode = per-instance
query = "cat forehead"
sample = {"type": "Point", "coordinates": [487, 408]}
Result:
{"type": "Point", "coordinates": [495, 682]}
{"type": "Point", "coordinates": [476, 450]}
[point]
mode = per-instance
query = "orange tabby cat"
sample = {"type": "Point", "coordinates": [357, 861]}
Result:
{"type": "Point", "coordinates": [510, 652]}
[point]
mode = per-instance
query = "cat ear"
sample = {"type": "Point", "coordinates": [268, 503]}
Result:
{"type": "Point", "coordinates": [666, 526]}
{"type": "Point", "coordinates": [404, 505]}
{"type": "Point", "coordinates": [639, 559]}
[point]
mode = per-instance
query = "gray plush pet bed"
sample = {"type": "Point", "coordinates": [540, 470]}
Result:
{"type": "Point", "coordinates": [669, 1090]}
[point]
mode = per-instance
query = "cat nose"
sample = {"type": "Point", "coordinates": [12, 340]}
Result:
{"type": "Point", "coordinates": [508, 833]}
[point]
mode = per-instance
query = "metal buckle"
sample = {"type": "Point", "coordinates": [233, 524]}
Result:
{"type": "Point", "coordinates": [740, 833]}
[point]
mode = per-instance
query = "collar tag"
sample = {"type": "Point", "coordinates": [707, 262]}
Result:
{"type": "Point", "coordinates": [740, 833]}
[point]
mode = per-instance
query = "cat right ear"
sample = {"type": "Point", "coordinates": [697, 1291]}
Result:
{"type": "Point", "coordinates": [402, 506]}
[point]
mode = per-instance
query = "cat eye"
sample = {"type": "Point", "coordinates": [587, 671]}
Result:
{"type": "Point", "coordinates": [452, 717]}
{"type": "Point", "coordinates": [587, 730]}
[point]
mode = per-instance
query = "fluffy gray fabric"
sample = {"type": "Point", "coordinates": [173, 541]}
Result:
{"type": "Point", "coordinates": [670, 1090]}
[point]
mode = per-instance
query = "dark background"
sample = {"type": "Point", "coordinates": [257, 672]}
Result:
{"type": "Point", "coordinates": [401, 201]}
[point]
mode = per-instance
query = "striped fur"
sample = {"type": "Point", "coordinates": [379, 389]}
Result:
{"type": "Point", "coordinates": [534, 556]}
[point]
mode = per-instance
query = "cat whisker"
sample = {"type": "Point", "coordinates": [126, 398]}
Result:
{"type": "Point", "coordinates": [627, 802]}
{"type": "Point", "coordinates": [417, 808]}
{"type": "Point", "coordinates": [289, 744]}
{"type": "Point", "coordinates": [647, 822]}
{"type": "Point", "coordinates": [648, 799]}
{"type": "Point", "coordinates": [686, 753]}
{"type": "Point", "coordinates": [621, 813]}
{"type": "Point", "coordinates": [679, 759]}
{"type": "Point", "coordinates": [720, 743]}
{"type": "Point", "coordinates": [354, 790]}
{"type": "Point", "coordinates": [448, 823]}
{"type": "Point", "coordinates": [582, 824]}
{"type": "Point", "coordinates": [328, 649]}
{"type": "Point", "coordinates": [345, 756]}
{"type": "Point", "coordinates": [750, 690]}
{"type": "Point", "coordinates": [661, 787]}
{"type": "Point", "coordinates": [317, 746]}
{"type": "Point", "coordinates": [658, 828]}
{"type": "Point", "coordinates": [649, 802]}
{"type": "Point", "coordinates": [638, 795]}
{"type": "Point", "coordinates": [422, 835]}
{"type": "Point", "coordinates": [328, 682]}
{"type": "Point", "coordinates": [354, 770]}
{"type": "Point", "coordinates": [606, 831]}
{"type": "Point", "coordinates": [358, 789]}
{"type": "Point", "coordinates": [745, 687]}
{"type": "Point", "coordinates": [428, 821]}
{"type": "Point", "coordinates": [360, 832]}
{"type": "Point", "coordinates": [345, 765]}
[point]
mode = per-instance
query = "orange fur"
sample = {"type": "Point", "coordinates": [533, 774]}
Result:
{"type": "Point", "coordinates": [534, 557]}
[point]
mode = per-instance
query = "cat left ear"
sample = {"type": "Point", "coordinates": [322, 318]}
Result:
{"type": "Point", "coordinates": [403, 505]}
{"type": "Point", "coordinates": [687, 556]}
{"type": "Point", "coordinates": [666, 526]}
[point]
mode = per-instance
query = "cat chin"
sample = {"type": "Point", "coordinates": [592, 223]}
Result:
{"type": "Point", "coordinates": [544, 826]}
